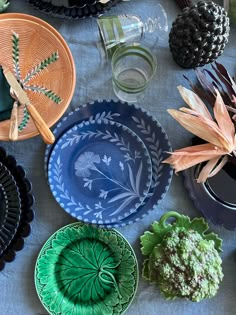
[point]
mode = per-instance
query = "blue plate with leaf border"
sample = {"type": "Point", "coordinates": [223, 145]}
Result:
{"type": "Point", "coordinates": [145, 126]}
{"type": "Point", "coordinates": [100, 172]}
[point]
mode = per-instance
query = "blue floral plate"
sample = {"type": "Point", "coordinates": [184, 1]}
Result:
{"type": "Point", "coordinates": [100, 171]}
{"type": "Point", "coordinates": [145, 126]}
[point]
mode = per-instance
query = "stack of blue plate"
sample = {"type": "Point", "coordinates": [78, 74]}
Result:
{"type": "Point", "coordinates": [105, 166]}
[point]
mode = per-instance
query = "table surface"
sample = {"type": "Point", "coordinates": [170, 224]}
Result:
{"type": "Point", "coordinates": [17, 291]}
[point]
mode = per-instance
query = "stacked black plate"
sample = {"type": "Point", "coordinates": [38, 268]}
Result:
{"type": "Point", "coordinates": [73, 9]}
{"type": "Point", "coordinates": [16, 203]}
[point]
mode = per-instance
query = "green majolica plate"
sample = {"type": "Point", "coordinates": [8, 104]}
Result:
{"type": "Point", "coordinates": [86, 270]}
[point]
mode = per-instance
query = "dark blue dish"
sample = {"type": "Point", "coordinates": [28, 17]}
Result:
{"type": "Point", "coordinates": [216, 198]}
{"type": "Point", "coordinates": [147, 129]}
{"type": "Point", "coordinates": [100, 172]}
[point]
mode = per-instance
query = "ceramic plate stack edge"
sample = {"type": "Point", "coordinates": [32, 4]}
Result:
{"type": "Point", "coordinates": [10, 207]}
{"type": "Point", "coordinates": [85, 8]}
{"type": "Point", "coordinates": [27, 200]}
{"type": "Point", "coordinates": [145, 127]}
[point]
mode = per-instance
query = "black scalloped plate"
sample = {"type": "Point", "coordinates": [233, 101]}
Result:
{"type": "Point", "coordinates": [73, 11]}
{"type": "Point", "coordinates": [214, 209]}
{"type": "Point", "coordinates": [27, 201]}
{"type": "Point", "coordinates": [209, 197]}
{"type": "Point", "coordinates": [10, 207]}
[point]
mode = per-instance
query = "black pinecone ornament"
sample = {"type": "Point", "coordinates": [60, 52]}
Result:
{"type": "Point", "coordinates": [199, 34]}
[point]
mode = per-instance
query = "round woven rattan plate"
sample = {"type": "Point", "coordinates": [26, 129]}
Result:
{"type": "Point", "coordinates": [43, 64]}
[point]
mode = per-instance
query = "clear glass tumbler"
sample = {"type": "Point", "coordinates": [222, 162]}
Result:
{"type": "Point", "coordinates": [117, 30]}
{"type": "Point", "coordinates": [133, 67]}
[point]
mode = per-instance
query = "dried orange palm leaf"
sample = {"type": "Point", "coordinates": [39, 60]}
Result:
{"type": "Point", "coordinates": [187, 157]}
{"type": "Point", "coordinates": [205, 149]}
{"type": "Point", "coordinates": [206, 170]}
{"type": "Point", "coordinates": [219, 166]}
{"type": "Point", "coordinates": [220, 135]}
{"type": "Point", "coordinates": [194, 101]}
{"type": "Point", "coordinates": [201, 127]}
{"type": "Point", "coordinates": [183, 162]}
{"type": "Point", "coordinates": [223, 119]}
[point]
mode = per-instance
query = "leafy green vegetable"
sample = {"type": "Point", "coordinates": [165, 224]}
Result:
{"type": "Point", "coordinates": [183, 258]}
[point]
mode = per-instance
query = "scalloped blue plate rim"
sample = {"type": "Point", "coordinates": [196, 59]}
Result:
{"type": "Point", "coordinates": [86, 108]}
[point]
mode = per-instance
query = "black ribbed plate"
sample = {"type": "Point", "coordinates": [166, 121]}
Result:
{"type": "Point", "coordinates": [27, 201]}
{"type": "Point", "coordinates": [10, 207]}
{"type": "Point", "coordinates": [72, 9]}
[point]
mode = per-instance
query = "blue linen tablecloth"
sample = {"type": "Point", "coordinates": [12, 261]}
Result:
{"type": "Point", "coordinates": [17, 291]}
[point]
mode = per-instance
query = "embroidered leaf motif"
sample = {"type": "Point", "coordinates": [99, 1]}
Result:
{"type": "Point", "coordinates": [49, 93]}
{"type": "Point", "coordinates": [25, 119]}
{"type": "Point", "coordinates": [15, 55]}
{"type": "Point", "coordinates": [41, 66]}
{"type": "Point", "coordinates": [31, 74]}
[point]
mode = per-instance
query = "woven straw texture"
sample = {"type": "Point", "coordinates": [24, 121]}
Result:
{"type": "Point", "coordinates": [37, 41]}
